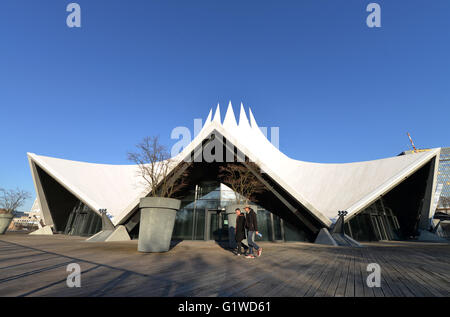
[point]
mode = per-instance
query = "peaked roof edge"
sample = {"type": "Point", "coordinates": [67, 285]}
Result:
{"type": "Point", "coordinates": [392, 183]}
{"type": "Point", "coordinates": [61, 180]}
{"type": "Point", "coordinates": [216, 125]}
{"type": "Point", "coordinates": [74, 190]}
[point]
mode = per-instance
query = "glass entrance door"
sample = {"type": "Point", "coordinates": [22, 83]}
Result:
{"type": "Point", "coordinates": [216, 225]}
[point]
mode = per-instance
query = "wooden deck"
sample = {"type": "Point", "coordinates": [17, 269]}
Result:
{"type": "Point", "coordinates": [36, 266]}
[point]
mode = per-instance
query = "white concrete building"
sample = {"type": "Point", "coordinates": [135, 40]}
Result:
{"type": "Point", "coordinates": [385, 199]}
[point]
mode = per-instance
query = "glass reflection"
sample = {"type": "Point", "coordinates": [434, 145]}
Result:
{"type": "Point", "coordinates": [213, 197]}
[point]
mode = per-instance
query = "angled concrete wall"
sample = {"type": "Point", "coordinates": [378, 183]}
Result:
{"type": "Point", "coordinates": [40, 195]}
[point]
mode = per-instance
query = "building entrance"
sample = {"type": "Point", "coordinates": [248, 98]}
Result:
{"type": "Point", "coordinates": [216, 225]}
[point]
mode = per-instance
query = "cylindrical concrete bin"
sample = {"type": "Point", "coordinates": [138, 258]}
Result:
{"type": "Point", "coordinates": [231, 216]}
{"type": "Point", "coordinates": [157, 221]}
{"type": "Point", "coordinates": [5, 220]}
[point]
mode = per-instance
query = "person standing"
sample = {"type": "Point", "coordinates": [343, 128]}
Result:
{"type": "Point", "coordinates": [251, 224]}
{"type": "Point", "coordinates": [239, 230]}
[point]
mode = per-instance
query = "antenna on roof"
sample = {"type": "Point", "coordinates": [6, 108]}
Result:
{"type": "Point", "coordinates": [412, 143]}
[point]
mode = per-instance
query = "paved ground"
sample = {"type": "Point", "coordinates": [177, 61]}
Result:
{"type": "Point", "coordinates": [36, 266]}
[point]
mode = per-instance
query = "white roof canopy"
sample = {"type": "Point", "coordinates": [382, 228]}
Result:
{"type": "Point", "coordinates": [323, 189]}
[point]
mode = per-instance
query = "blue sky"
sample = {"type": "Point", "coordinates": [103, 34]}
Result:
{"type": "Point", "coordinates": [338, 90]}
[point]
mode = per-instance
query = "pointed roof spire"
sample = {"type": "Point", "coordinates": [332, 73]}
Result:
{"type": "Point", "coordinates": [217, 115]}
{"type": "Point", "coordinates": [252, 120]}
{"type": "Point", "coordinates": [243, 120]}
{"type": "Point", "coordinates": [208, 118]}
{"type": "Point", "coordinates": [230, 119]}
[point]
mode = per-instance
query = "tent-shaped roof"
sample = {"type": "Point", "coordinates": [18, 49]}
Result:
{"type": "Point", "coordinates": [100, 186]}
{"type": "Point", "coordinates": [322, 189]}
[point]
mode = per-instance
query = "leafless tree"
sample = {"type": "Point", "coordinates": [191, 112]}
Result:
{"type": "Point", "coordinates": [12, 199]}
{"type": "Point", "coordinates": [162, 176]}
{"type": "Point", "coordinates": [242, 180]}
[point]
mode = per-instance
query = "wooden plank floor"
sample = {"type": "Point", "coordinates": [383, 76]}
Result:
{"type": "Point", "coordinates": [36, 266]}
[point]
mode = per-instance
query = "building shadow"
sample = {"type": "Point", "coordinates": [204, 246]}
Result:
{"type": "Point", "coordinates": [225, 245]}
{"type": "Point", "coordinates": [174, 243]}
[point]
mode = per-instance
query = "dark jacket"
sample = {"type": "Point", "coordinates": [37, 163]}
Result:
{"type": "Point", "coordinates": [250, 221]}
{"type": "Point", "coordinates": [240, 227]}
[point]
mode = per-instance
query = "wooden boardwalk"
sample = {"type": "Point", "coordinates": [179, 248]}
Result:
{"type": "Point", "coordinates": [36, 266]}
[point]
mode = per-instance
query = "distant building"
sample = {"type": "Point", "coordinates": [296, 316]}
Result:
{"type": "Point", "coordinates": [443, 205]}
{"type": "Point", "coordinates": [27, 220]}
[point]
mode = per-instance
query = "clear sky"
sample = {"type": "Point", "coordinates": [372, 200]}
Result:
{"type": "Point", "coordinates": [338, 90]}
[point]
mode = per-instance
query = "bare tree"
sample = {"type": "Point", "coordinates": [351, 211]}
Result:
{"type": "Point", "coordinates": [12, 199]}
{"type": "Point", "coordinates": [242, 180]}
{"type": "Point", "coordinates": [162, 176]}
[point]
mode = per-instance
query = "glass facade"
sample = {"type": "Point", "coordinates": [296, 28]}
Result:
{"type": "Point", "coordinates": [443, 180]}
{"type": "Point", "coordinates": [396, 215]}
{"type": "Point", "coordinates": [190, 223]}
{"type": "Point", "coordinates": [376, 222]}
{"type": "Point", "coordinates": [83, 221]}
{"type": "Point", "coordinates": [202, 217]}
{"type": "Point", "coordinates": [264, 224]}
{"type": "Point", "coordinates": [70, 216]}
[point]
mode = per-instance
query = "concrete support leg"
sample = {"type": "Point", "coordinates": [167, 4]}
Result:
{"type": "Point", "coordinates": [119, 234]}
{"type": "Point", "coordinates": [46, 230]}
{"type": "Point", "coordinates": [324, 237]}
